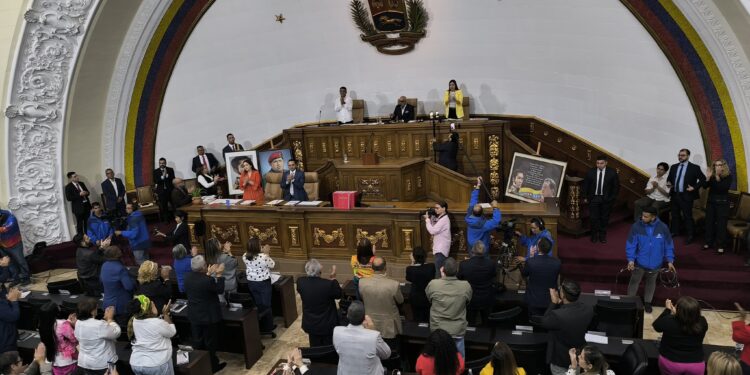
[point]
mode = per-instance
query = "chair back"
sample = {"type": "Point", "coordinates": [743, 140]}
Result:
{"type": "Point", "coordinates": [321, 354]}
{"type": "Point", "coordinates": [506, 319]}
{"type": "Point", "coordinates": [465, 105]}
{"type": "Point", "coordinates": [634, 360]}
{"type": "Point", "coordinates": [413, 102]}
{"type": "Point", "coordinates": [145, 195]}
{"type": "Point", "coordinates": [358, 111]}
{"type": "Point", "coordinates": [71, 286]}
{"type": "Point", "coordinates": [743, 208]}
{"type": "Point", "coordinates": [616, 318]}
{"type": "Point", "coordinates": [29, 313]}
{"type": "Point", "coordinates": [532, 357]}
{"type": "Point", "coordinates": [246, 299]}
{"type": "Point", "coordinates": [312, 185]}
{"type": "Point", "coordinates": [272, 188]}
{"type": "Point", "coordinates": [475, 367]}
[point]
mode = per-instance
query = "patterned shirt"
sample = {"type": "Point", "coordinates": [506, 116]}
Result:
{"type": "Point", "coordinates": [259, 268]}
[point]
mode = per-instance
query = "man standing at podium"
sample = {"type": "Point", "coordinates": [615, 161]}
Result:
{"type": "Point", "coordinates": [343, 107]}
{"type": "Point", "coordinates": [293, 183]}
{"type": "Point", "coordinates": [404, 112]}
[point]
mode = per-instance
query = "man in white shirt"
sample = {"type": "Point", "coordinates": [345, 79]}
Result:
{"type": "Point", "coordinates": [343, 107]}
{"type": "Point", "coordinates": [657, 192]}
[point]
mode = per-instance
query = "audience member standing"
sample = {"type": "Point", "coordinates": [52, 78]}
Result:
{"type": "Point", "coordinates": [590, 360]}
{"type": "Point", "coordinates": [11, 363]}
{"type": "Point", "coordinates": [117, 283]}
{"type": "Point", "coordinates": [657, 192]}
{"type": "Point", "coordinates": [448, 298]}
{"type": "Point", "coordinates": [10, 313]}
{"type": "Point", "coordinates": [684, 181]}
{"type": "Point", "coordinates": [683, 329]}
{"type": "Point", "coordinates": [114, 194]}
{"type": "Point", "coordinates": [448, 151]}
{"type": "Point", "coordinates": [538, 231]}
{"type": "Point", "coordinates": [741, 335]}
{"type": "Point", "coordinates": [89, 260]}
{"type": "Point", "coordinates": [182, 261]}
{"type": "Point", "coordinates": [181, 232]}
{"type": "Point", "coordinates": [439, 227]}
{"type": "Point", "coordinates": [478, 228]}
{"type": "Point", "coordinates": [721, 363]}
{"type": "Point", "coordinates": [99, 228]}
{"type": "Point", "coordinates": [78, 195]}
{"type": "Point", "coordinates": [440, 356]}
{"type": "Point", "coordinates": [222, 254]}
{"type": "Point", "coordinates": [541, 273]}
{"type": "Point", "coordinates": [258, 264]}
{"type": "Point", "coordinates": [96, 338]}
{"type": "Point", "coordinates": [58, 336]}
{"type": "Point", "coordinates": [293, 183]}
{"type": "Point", "coordinates": [343, 107]}
{"type": "Point", "coordinates": [419, 274]}
{"type": "Point", "coordinates": [359, 346]}
{"type": "Point", "coordinates": [567, 321]}
{"type": "Point", "coordinates": [453, 98]}
{"type": "Point", "coordinates": [718, 182]}
{"type": "Point", "coordinates": [136, 233]}
{"type": "Point", "coordinates": [231, 146]}
{"type": "Point", "coordinates": [648, 246]}
{"type": "Point", "coordinates": [480, 271]}
{"type": "Point", "coordinates": [503, 360]}
{"type": "Point", "coordinates": [12, 246]}
{"type": "Point", "coordinates": [179, 196]}
{"type": "Point", "coordinates": [362, 262]}
{"type": "Point", "coordinates": [203, 286]}
{"type": "Point", "coordinates": [209, 182]}
{"type": "Point", "coordinates": [381, 296]}
{"type": "Point", "coordinates": [319, 295]}
{"type": "Point", "coordinates": [600, 188]}
{"type": "Point", "coordinates": [163, 178]}
{"type": "Point", "coordinates": [154, 283]}
{"type": "Point", "coordinates": [151, 338]}
{"type": "Point", "coordinates": [204, 159]}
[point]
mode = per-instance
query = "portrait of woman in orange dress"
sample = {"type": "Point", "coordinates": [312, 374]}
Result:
{"type": "Point", "coordinates": [250, 183]}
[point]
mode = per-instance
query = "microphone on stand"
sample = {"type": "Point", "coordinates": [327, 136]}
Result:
{"type": "Point", "coordinates": [320, 113]}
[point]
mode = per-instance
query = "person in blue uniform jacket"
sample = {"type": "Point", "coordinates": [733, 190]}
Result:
{"type": "Point", "coordinates": [118, 285]}
{"type": "Point", "coordinates": [98, 228]}
{"type": "Point", "coordinates": [538, 231]}
{"type": "Point", "coordinates": [479, 227]}
{"type": "Point", "coordinates": [137, 233]}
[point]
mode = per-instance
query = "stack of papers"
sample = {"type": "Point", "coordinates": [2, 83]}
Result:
{"type": "Point", "coordinates": [291, 203]}
{"type": "Point", "coordinates": [247, 202]}
{"type": "Point", "coordinates": [310, 203]}
{"type": "Point", "coordinates": [274, 202]}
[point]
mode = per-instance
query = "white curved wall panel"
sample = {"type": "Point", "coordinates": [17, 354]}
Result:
{"type": "Point", "coordinates": [588, 66]}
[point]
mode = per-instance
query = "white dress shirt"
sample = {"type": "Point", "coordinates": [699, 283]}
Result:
{"type": "Point", "coordinates": [152, 346]}
{"type": "Point", "coordinates": [656, 194]}
{"type": "Point", "coordinates": [206, 181]}
{"type": "Point", "coordinates": [114, 185]}
{"type": "Point", "coordinates": [343, 112]}
{"type": "Point", "coordinates": [291, 184]}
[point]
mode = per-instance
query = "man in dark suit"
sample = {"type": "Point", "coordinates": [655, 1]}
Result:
{"type": "Point", "coordinates": [419, 274]}
{"type": "Point", "coordinates": [163, 177]}
{"type": "Point", "coordinates": [204, 159]}
{"type": "Point", "coordinates": [480, 272]}
{"type": "Point", "coordinates": [404, 112]}
{"type": "Point", "coordinates": [600, 188]}
{"type": "Point", "coordinates": [179, 195]}
{"type": "Point", "coordinates": [230, 147]}
{"type": "Point", "coordinates": [203, 287]}
{"type": "Point", "coordinates": [684, 181]}
{"type": "Point", "coordinates": [541, 272]}
{"type": "Point", "coordinates": [448, 152]}
{"type": "Point", "coordinates": [293, 183]}
{"type": "Point", "coordinates": [319, 313]}
{"type": "Point", "coordinates": [567, 321]}
{"type": "Point", "coordinates": [114, 193]}
{"type": "Point", "coordinates": [78, 195]}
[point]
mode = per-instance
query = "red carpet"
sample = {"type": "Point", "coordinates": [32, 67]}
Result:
{"type": "Point", "coordinates": [719, 280]}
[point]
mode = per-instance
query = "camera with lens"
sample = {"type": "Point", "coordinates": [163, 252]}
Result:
{"type": "Point", "coordinates": [508, 229]}
{"type": "Point", "coordinates": [429, 212]}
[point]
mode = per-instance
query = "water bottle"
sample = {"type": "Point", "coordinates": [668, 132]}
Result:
{"type": "Point", "coordinates": [227, 202]}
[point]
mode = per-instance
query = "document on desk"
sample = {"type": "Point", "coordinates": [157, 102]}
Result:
{"type": "Point", "coordinates": [310, 203]}
{"type": "Point", "coordinates": [275, 276]}
{"type": "Point", "coordinates": [25, 294]}
{"type": "Point", "coordinates": [274, 202]}
{"type": "Point", "coordinates": [596, 339]}
{"type": "Point", "coordinates": [292, 203]}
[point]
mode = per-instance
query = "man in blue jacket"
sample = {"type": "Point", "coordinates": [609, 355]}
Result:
{"type": "Point", "coordinates": [478, 227]}
{"type": "Point", "coordinates": [9, 315]}
{"type": "Point", "coordinates": [98, 227]}
{"type": "Point", "coordinates": [137, 233]}
{"type": "Point", "coordinates": [649, 244]}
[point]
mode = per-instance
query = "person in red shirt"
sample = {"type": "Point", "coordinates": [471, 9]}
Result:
{"type": "Point", "coordinates": [440, 356]}
{"type": "Point", "coordinates": [741, 335]}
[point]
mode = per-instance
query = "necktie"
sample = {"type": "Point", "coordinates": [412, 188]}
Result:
{"type": "Point", "coordinates": [601, 188]}
{"type": "Point", "coordinates": [205, 162]}
{"type": "Point", "coordinates": [235, 147]}
{"type": "Point", "coordinates": [598, 179]}
{"type": "Point", "coordinates": [679, 179]}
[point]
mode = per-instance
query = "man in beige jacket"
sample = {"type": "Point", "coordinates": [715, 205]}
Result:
{"type": "Point", "coordinates": [381, 296]}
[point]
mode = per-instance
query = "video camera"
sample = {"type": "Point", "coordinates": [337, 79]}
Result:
{"type": "Point", "coordinates": [508, 229]}
{"type": "Point", "coordinates": [429, 212]}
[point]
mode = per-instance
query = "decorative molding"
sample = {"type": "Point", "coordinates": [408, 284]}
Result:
{"type": "Point", "coordinates": [336, 234]}
{"type": "Point", "coordinates": [267, 234]}
{"type": "Point", "coordinates": [379, 237]}
{"type": "Point", "coordinates": [133, 49]}
{"type": "Point", "coordinates": [47, 55]}
{"type": "Point", "coordinates": [226, 233]}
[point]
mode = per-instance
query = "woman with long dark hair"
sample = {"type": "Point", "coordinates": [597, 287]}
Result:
{"type": "Point", "coordinates": [440, 356]}
{"type": "Point", "coordinates": [503, 362]}
{"type": "Point", "coordinates": [58, 335]}
{"type": "Point", "coordinates": [216, 253]}
{"type": "Point", "coordinates": [454, 101]}
{"type": "Point", "coordinates": [683, 329]}
{"type": "Point", "coordinates": [718, 182]}
{"type": "Point", "coordinates": [250, 182]}
{"type": "Point", "coordinates": [589, 361]}
{"type": "Point", "coordinates": [362, 262]}
{"type": "Point", "coordinates": [258, 264]}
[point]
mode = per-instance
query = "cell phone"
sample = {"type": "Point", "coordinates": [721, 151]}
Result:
{"type": "Point", "coordinates": [453, 126]}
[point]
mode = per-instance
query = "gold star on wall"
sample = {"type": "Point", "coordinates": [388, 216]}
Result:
{"type": "Point", "coordinates": [280, 18]}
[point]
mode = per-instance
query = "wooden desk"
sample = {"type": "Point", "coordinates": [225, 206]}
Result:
{"type": "Point", "coordinates": [327, 233]}
{"type": "Point", "coordinates": [283, 299]}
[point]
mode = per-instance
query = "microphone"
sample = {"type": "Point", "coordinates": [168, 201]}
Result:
{"type": "Point", "coordinates": [320, 113]}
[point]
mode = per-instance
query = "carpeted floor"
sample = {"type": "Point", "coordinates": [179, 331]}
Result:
{"type": "Point", "coordinates": [717, 280]}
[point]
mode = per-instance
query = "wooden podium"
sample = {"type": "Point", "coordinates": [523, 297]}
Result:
{"type": "Point", "coordinates": [370, 158]}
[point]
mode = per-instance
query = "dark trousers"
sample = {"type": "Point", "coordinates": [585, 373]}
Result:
{"type": "Point", "coordinates": [599, 216]}
{"type": "Point", "coordinates": [320, 340]}
{"type": "Point", "coordinates": [682, 210]}
{"type": "Point", "coordinates": [745, 368]}
{"type": "Point", "coordinates": [206, 337]}
{"type": "Point", "coordinates": [92, 287]}
{"type": "Point", "coordinates": [471, 315]}
{"type": "Point", "coordinates": [535, 311]}
{"type": "Point", "coordinates": [452, 113]}
{"type": "Point", "coordinates": [421, 313]}
{"type": "Point", "coordinates": [261, 291]}
{"type": "Point", "coordinates": [19, 269]}
{"type": "Point", "coordinates": [86, 371]}
{"type": "Point", "coordinates": [82, 221]}
{"type": "Point", "coordinates": [164, 214]}
{"type": "Point", "coordinates": [717, 214]}
{"type": "Point", "coordinates": [439, 260]}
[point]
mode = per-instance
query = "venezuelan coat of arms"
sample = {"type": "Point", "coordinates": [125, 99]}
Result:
{"type": "Point", "coordinates": [391, 26]}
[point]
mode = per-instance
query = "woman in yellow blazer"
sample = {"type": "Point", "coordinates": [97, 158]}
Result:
{"type": "Point", "coordinates": [454, 100]}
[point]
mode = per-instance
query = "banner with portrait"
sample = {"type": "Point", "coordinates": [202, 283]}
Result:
{"type": "Point", "coordinates": [273, 161]}
{"type": "Point", "coordinates": [533, 178]}
{"type": "Point", "coordinates": [234, 162]}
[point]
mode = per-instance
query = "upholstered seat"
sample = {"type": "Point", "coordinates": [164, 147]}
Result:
{"type": "Point", "coordinates": [738, 226]}
{"type": "Point", "coordinates": [146, 199]}
{"type": "Point", "coordinates": [358, 112]}
{"type": "Point", "coordinates": [272, 187]}
{"type": "Point", "coordinates": [465, 105]}
{"type": "Point", "coordinates": [699, 209]}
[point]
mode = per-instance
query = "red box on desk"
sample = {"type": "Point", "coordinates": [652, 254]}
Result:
{"type": "Point", "coordinates": [344, 200]}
